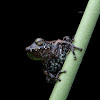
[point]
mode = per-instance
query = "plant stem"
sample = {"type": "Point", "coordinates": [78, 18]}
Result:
{"type": "Point", "coordinates": [82, 37]}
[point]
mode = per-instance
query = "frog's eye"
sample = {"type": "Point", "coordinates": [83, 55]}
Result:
{"type": "Point", "coordinates": [39, 41]}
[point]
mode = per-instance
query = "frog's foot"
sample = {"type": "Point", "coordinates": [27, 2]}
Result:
{"type": "Point", "coordinates": [58, 74]}
{"type": "Point", "coordinates": [72, 48]}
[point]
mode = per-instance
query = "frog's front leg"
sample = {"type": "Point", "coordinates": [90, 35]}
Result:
{"type": "Point", "coordinates": [67, 41]}
{"type": "Point", "coordinates": [72, 48]}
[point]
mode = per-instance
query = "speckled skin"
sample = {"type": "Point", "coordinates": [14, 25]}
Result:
{"type": "Point", "coordinates": [52, 54]}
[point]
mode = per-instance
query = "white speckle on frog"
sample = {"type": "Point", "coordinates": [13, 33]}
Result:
{"type": "Point", "coordinates": [60, 51]}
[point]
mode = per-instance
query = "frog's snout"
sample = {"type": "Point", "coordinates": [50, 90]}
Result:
{"type": "Point", "coordinates": [30, 49]}
{"type": "Point", "coordinates": [27, 49]}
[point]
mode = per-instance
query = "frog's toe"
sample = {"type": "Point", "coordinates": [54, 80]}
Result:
{"type": "Point", "coordinates": [59, 79]}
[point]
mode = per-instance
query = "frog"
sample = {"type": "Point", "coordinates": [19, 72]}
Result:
{"type": "Point", "coordinates": [52, 55]}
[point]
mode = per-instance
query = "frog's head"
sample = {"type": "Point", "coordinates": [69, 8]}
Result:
{"type": "Point", "coordinates": [37, 50]}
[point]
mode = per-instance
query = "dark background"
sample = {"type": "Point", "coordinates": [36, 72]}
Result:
{"type": "Point", "coordinates": [53, 21]}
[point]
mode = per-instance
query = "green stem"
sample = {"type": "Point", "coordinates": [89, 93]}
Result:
{"type": "Point", "coordinates": [82, 37]}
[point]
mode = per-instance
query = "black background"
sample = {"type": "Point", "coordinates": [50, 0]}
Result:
{"type": "Point", "coordinates": [53, 21]}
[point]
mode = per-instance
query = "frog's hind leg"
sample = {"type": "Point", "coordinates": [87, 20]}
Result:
{"type": "Point", "coordinates": [52, 78]}
{"type": "Point", "coordinates": [49, 75]}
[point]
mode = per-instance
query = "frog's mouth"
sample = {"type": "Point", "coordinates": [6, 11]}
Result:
{"type": "Point", "coordinates": [33, 57]}
{"type": "Point", "coordinates": [32, 54]}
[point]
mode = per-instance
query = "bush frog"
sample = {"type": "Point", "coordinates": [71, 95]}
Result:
{"type": "Point", "coordinates": [52, 55]}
